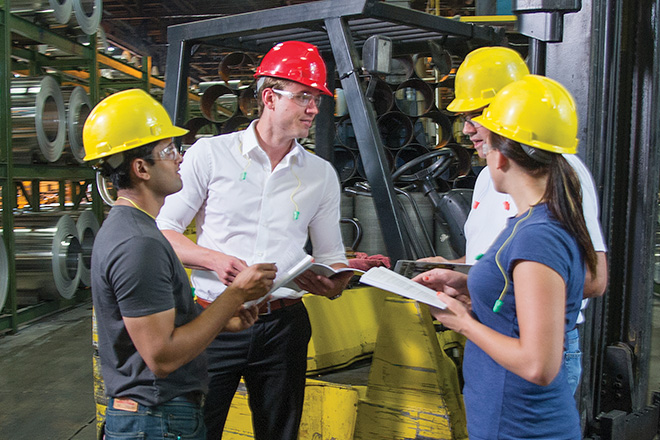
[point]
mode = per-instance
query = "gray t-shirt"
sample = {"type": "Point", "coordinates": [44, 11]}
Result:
{"type": "Point", "coordinates": [135, 272]}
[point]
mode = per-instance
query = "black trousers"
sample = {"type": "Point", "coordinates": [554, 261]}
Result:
{"type": "Point", "coordinates": [271, 356]}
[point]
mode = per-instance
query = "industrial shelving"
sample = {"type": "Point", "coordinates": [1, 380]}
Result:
{"type": "Point", "coordinates": [81, 64]}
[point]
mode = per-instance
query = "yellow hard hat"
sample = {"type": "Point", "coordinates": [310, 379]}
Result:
{"type": "Point", "coordinates": [534, 111]}
{"type": "Point", "coordinates": [482, 74]}
{"type": "Point", "coordinates": [126, 120]}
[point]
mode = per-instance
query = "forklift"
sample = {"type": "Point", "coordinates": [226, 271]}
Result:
{"type": "Point", "coordinates": [378, 367]}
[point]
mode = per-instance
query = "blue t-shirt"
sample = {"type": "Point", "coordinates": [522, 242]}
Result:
{"type": "Point", "coordinates": [500, 404]}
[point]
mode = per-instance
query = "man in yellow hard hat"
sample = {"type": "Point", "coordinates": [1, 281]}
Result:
{"type": "Point", "coordinates": [151, 336]}
{"type": "Point", "coordinates": [257, 195]}
{"type": "Point", "coordinates": [483, 73]}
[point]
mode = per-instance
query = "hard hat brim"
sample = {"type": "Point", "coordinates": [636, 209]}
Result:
{"type": "Point", "coordinates": [173, 131]}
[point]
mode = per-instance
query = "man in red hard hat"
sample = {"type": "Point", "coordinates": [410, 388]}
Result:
{"type": "Point", "coordinates": [258, 196]}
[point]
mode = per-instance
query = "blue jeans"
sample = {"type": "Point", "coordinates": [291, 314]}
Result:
{"type": "Point", "coordinates": [573, 359]}
{"type": "Point", "coordinates": [177, 419]}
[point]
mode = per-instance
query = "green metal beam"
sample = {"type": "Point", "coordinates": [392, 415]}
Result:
{"type": "Point", "coordinates": [44, 36]}
{"type": "Point", "coordinates": [49, 172]}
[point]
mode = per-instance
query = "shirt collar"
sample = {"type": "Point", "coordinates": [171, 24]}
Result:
{"type": "Point", "coordinates": [250, 143]}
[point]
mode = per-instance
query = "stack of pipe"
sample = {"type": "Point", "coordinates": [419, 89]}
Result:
{"type": "Point", "coordinates": [38, 120]}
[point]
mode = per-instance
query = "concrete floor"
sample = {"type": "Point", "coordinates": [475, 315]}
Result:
{"type": "Point", "coordinates": [46, 382]}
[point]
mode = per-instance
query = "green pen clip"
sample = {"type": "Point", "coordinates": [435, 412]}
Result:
{"type": "Point", "coordinates": [478, 257]}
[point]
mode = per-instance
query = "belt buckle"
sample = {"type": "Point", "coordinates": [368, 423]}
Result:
{"type": "Point", "coordinates": [268, 310]}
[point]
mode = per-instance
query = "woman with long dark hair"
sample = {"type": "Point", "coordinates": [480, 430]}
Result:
{"type": "Point", "coordinates": [525, 291]}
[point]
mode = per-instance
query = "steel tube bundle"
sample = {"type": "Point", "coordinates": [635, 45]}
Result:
{"type": "Point", "coordinates": [48, 256]}
{"type": "Point", "coordinates": [38, 120]}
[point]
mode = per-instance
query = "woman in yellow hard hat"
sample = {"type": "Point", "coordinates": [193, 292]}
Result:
{"type": "Point", "coordinates": [526, 290]}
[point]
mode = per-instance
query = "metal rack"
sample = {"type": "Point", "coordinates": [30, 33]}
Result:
{"type": "Point", "coordinates": [82, 62]}
{"type": "Point", "coordinates": [339, 28]}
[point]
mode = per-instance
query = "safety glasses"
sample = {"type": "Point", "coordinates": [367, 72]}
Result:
{"type": "Point", "coordinates": [466, 118]}
{"type": "Point", "coordinates": [171, 152]}
{"type": "Point", "coordinates": [301, 98]}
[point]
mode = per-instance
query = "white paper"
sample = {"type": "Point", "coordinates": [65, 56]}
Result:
{"type": "Point", "coordinates": [383, 278]}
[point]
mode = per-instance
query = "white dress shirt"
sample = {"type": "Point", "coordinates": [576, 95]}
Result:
{"type": "Point", "coordinates": [242, 208]}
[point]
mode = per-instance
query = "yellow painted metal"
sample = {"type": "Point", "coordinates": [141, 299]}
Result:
{"type": "Point", "coordinates": [329, 412]}
{"type": "Point", "coordinates": [489, 19]}
{"type": "Point", "coordinates": [413, 389]}
{"type": "Point", "coordinates": [343, 330]}
{"type": "Point", "coordinates": [100, 399]}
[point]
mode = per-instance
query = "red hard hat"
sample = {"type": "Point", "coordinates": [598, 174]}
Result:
{"type": "Point", "coordinates": [296, 61]}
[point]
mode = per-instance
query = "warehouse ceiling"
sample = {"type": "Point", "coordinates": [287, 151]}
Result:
{"type": "Point", "coordinates": [140, 26]}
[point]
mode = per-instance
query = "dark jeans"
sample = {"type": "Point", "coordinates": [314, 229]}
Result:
{"type": "Point", "coordinates": [177, 419]}
{"type": "Point", "coordinates": [271, 356]}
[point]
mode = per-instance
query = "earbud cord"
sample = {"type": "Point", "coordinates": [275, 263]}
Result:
{"type": "Point", "coordinates": [498, 304]}
{"type": "Point", "coordinates": [249, 162]}
{"type": "Point", "coordinates": [296, 212]}
{"type": "Point", "coordinates": [135, 205]}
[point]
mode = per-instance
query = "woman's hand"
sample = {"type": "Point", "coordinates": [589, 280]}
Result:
{"type": "Point", "coordinates": [456, 316]}
{"type": "Point", "coordinates": [451, 282]}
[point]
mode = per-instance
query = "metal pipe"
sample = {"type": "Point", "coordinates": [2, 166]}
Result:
{"type": "Point", "coordinates": [47, 255]}
{"type": "Point", "coordinates": [38, 120]}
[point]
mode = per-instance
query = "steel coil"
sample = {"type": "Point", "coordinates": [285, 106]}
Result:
{"type": "Point", "coordinates": [88, 14]}
{"type": "Point", "coordinates": [52, 10]}
{"type": "Point", "coordinates": [38, 120]}
{"type": "Point", "coordinates": [4, 273]}
{"type": "Point", "coordinates": [78, 107]}
{"type": "Point", "coordinates": [87, 227]}
{"type": "Point", "coordinates": [48, 256]}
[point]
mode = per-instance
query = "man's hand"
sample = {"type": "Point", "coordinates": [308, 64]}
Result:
{"type": "Point", "coordinates": [227, 267]}
{"type": "Point", "coordinates": [253, 282]}
{"type": "Point", "coordinates": [323, 286]}
{"type": "Point", "coordinates": [451, 282]}
{"type": "Point", "coordinates": [244, 318]}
